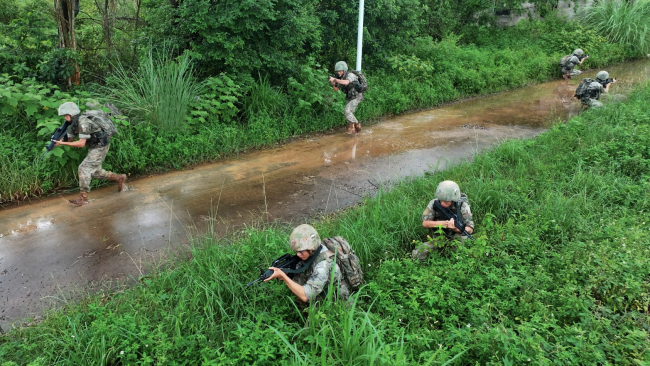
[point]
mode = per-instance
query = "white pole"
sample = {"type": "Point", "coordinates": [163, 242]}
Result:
{"type": "Point", "coordinates": [360, 35]}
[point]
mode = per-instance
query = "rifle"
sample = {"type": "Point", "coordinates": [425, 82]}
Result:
{"type": "Point", "coordinates": [59, 133]}
{"type": "Point", "coordinates": [582, 57]}
{"type": "Point", "coordinates": [449, 214]}
{"type": "Point", "coordinates": [608, 81]}
{"type": "Point", "coordinates": [287, 263]}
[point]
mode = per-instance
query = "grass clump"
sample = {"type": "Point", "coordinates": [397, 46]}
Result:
{"type": "Point", "coordinates": [623, 22]}
{"type": "Point", "coordinates": [159, 91]}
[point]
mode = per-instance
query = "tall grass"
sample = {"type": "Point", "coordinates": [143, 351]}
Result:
{"type": "Point", "coordinates": [622, 21]}
{"type": "Point", "coordinates": [159, 91]}
{"type": "Point", "coordinates": [19, 180]}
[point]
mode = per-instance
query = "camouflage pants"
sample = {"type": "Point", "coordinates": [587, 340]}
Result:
{"type": "Point", "coordinates": [571, 72]}
{"type": "Point", "coordinates": [91, 167]}
{"type": "Point", "coordinates": [591, 102]}
{"type": "Point", "coordinates": [350, 107]}
{"type": "Point", "coordinates": [422, 252]}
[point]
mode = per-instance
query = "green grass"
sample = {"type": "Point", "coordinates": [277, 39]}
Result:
{"type": "Point", "coordinates": [559, 274]}
{"type": "Point", "coordinates": [159, 91]}
{"type": "Point", "coordinates": [623, 22]}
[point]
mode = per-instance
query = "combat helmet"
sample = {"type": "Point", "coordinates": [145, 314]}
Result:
{"type": "Point", "coordinates": [578, 52]}
{"type": "Point", "coordinates": [341, 66]}
{"type": "Point", "coordinates": [448, 191]}
{"type": "Point", "coordinates": [304, 237]}
{"type": "Point", "coordinates": [602, 75]}
{"type": "Point", "coordinates": [69, 108]}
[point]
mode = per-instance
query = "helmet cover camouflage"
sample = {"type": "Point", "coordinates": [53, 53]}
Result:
{"type": "Point", "coordinates": [578, 52]}
{"type": "Point", "coordinates": [68, 108]}
{"type": "Point", "coordinates": [448, 191]}
{"type": "Point", "coordinates": [341, 66]}
{"type": "Point", "coordinates": [602, 75]}
{"type": "Point", "coordinates": [304, 237]}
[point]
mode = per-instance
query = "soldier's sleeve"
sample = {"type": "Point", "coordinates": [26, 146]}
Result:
{"type": "Point", "coordinates": [318, 280]}
{"type": "Point", "coordinates": [85, 127]}
{"type": "Point", "coordinates": [429, 214]}
{"type": "Point", "coordinates": [466, 212]}
{"type": "Point", "coordinates": [574, 60]}
{"type": "Point", "coordinates": [352, 77]}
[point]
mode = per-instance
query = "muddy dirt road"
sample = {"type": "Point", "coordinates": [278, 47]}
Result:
{"type": "Point", "coordinates": [47, 247]}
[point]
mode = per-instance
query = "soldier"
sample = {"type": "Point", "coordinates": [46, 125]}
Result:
{"type": "Point", "coordinates": [349, 83]}
{"type": "Point", "coordinates": [589, 97]}
{"type": "Point", "coordinates": [449, 196]}
{"type": "Point", "coordinates": [569, 62]}
{"type": "Point", "coordinates": [92, 133]}
{"type": "Point", "coordinates": [312, 284]}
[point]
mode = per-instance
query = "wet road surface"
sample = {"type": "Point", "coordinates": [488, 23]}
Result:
{"type": "Point", "coordinates": [48, 248]}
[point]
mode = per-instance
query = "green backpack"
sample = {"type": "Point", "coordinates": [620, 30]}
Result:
{"type": "Point", "coordinates": [565, 60]}
{"type": "Point", "coordinates": [582, 88]}
{"type": "Point", "coordinates": [103, 121]}
{"type": "Point", "coordinates": [347, 261]}
{"type": "Point", "coordinates": [363, 83]}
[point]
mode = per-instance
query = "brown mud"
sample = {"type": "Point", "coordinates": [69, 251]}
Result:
{"type": "Point", "coordinates": [48, 248]}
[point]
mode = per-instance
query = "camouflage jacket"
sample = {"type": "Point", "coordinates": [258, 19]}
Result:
{"type": "Point", "coordinates": [316, 279]}
{"type": "Point", "coordinates": [431, 214]}
{"type": "Point", "coordinates": [350, 90]}
{"type": "Point", "coordinates": [84, 128]}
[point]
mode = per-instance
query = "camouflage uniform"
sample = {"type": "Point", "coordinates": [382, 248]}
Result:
{"type": "Point", "coordinates": [352, 97]}
{"type": "Point", "coordinates": [568, 67]}
{"type": "Point", "coordinates": [431, 214]}
{"type": "Point", "coordinates": [91, 167]}
{"type": "Point", "coordinates": [592, 94]}
{"type": "Point", "coordinates": [316, 279]}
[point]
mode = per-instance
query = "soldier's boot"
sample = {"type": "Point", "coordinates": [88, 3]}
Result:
{"type": "Point", "coordinates": [357, 127]}
{"type": "Point", "coordinates": [81, 200]}
{"type": "Point", "coordinates": [120, 179]}
{"type": "Point", "coordinates": [350, 128]}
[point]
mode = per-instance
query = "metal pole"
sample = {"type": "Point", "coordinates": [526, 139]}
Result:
{"type": "Point", "coordinates": [360, 35]}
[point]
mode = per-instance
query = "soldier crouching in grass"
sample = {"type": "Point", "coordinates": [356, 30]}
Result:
{"type": "Point", "coordinates": [312, 284]}
{"type": "Point", "coordinates": [448, 199]}
{"type": "Point", "coordinates": [94, 129]}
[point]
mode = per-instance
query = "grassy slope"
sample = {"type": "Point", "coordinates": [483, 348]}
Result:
{"type": "Point", "coordinates": [559, 274]}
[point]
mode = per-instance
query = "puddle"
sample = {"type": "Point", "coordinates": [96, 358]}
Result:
{"type": "Point", "coordinates": [48, 244]}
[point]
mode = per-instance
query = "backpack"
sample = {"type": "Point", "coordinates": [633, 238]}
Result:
{"type": "Point", "coordinates": [363, 83]}
{"type": "Point", "coordinates": [582, 88]}
{"type": "Point", "coordinates": [347, 261]}
{"type": "Point", "coordinates": [103, 121]}
{"type": "Point", "coordinates": [565, 60]}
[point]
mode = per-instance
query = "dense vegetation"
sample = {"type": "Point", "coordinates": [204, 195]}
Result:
{"type": "Point", "coordinates": [559, 274]}
{"type": "Point", "coordinates": [194, 89]}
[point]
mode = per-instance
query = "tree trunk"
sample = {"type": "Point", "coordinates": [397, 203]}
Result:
{"type": "Point", "coordinates": [65, 11]}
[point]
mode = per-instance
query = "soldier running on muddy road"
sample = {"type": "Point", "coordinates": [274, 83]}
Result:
{"type": "Point", "coordinates": [353, 84]}
{"type": "Point", "coordinates": [94, 129]}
